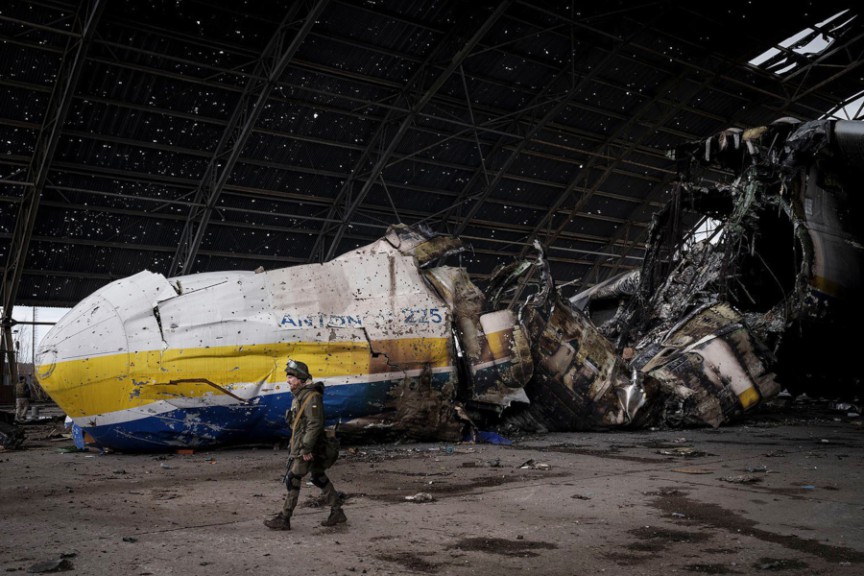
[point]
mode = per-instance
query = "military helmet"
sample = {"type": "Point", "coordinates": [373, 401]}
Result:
{"type": "Point", "coordinates": [298, 369]}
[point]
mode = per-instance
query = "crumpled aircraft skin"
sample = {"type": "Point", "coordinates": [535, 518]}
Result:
{"type": "Point", "coordinates": [723, 324]}
{"type": "Point", "coordinates": [149, 363]}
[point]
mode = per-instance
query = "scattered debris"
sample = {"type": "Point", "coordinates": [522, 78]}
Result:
{"type": "Point", "coordinates": [420, 497]}
{"type": "Point", "coordinates": [532, 465]}
{"type": "Point", "coordinates": [742, 479]}
{"type": "Point", "coordinates": [694, 470]}
{"type": "Point", "coordinates": [682, 452]}
{"type": "Point", "coordinates": [11, 435]}
{"type": "Point", "coordinates": [60, 565]}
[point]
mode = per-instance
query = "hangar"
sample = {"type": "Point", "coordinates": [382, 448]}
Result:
{"type": "Point", "coordinates": [186, 137]}
{"type": "Point", "coordinates": [183, 138]}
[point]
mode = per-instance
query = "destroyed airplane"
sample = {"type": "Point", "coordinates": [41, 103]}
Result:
{"type": "Point", "coordinates": [772, 298]}
{"type": "Point", "coordinates": [407, 345]}
{"type": "Point", "coordinates": [149, 363]}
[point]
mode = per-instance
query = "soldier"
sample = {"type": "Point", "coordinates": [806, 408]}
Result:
{"type": "Point", "coordinates": [22, 398]}
{"type": "Point", "coordinates": [310, 450]}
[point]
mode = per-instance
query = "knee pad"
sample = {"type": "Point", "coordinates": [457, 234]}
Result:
{"type": "Point", "coordinates": [320, 481]}
{"type": "Point", "coordinates": [292, 482]}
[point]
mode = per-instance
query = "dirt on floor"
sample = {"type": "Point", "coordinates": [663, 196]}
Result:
{"type": "Point", "coordinates": [775, 494]}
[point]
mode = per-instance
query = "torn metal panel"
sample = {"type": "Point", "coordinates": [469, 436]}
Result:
{"type": "Point", "coordinates": [606, 302]}
{"type": "Point", "coordinates": [706, 368]}
{"type": "Point", "coordinates": [789, 260]}
{"type": "Point", "coordinates": [797, 178]}
{"type": "Point", "coordinates": [577, 373]}
{"type": "Point", "coordinates": [423, 244]}
{"type": "Point", "coordinates": [492, 350]}
{"type": "Point", "coordinates": [717, 326]}
{"type": "Point", "coordinates": [624, 285]}
{"type": "Point", "coordinates": [424, 411]}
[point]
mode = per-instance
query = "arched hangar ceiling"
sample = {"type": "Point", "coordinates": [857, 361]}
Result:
{"type": "Point", "coordinates": [185, 136]}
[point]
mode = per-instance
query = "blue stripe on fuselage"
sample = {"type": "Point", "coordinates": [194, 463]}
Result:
{"type": "Point", "coordinates": [260, 420]}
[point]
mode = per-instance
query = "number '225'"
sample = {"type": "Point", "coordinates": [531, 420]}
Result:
{"type": "Point", "coordinates": [422, 316]}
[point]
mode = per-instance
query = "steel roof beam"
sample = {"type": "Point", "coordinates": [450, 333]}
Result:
{"type": "Point", "coordinates": [346, 203]}
{"type": "Point", "coordinates": [479, 198]}
{"type": "Point", "coordinates": [270, 66]}
{"type": "Point", "coordinates": [585, 196]}
{"type": "Point", "coordinates": [397, 158]}
{"type": "Point", "coordinates": [483, 127]}
{"type": "Point", "coordinates": [586, 27]}
{"type": "Point", "coordinates": [177, 182]}
{"type": "Point", "coordinates": [71, 65]}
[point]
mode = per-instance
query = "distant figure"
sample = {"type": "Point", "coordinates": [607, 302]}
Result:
{"type": "Point", "coordinates": [22, 398]}
{"type": "Point", "coordinates": [311, 450]}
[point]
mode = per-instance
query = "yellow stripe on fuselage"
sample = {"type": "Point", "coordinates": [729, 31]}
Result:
{"type": "Point", "coordinates": [103, 384]}
{"type": "Point", "coordinates": [826, 286]}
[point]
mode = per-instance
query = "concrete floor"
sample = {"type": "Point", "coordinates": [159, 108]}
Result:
{"type": "Point", "coordinates": [780, 493]}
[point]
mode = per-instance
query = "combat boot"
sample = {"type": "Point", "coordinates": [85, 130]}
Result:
{"type": "Point", "coordinates": [337, 516]}
{"type": "Point", "coordinates": [279, 522]}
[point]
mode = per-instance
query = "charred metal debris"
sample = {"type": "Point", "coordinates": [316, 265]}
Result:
{"type": "Point", "coordinates": [712, 327]}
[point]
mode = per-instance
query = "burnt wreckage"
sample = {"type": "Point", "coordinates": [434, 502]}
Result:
{"type": "Point", "coordinates": [778, 285]}
{"type": "Point", "coordinates": [407, 345]}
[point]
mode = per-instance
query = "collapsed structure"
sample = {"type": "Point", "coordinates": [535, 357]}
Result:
{"type": "Point", "coordinates": [408, 345]}
{"type": "Point", "coordinates": [784, 267]}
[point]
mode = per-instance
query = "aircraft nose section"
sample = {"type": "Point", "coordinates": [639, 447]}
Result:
{"type": "Point", "coordinates": [89, 351]}
{"type": "Point", "coordinates": [93, 327]}
{"type": "Point", "coordinates": [67, 358]}
{"type": "Point", "coordinates": [45, 361]}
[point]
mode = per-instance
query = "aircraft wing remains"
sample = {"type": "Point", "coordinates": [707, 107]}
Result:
{"type": "Point", "coordinates": [406, 345]}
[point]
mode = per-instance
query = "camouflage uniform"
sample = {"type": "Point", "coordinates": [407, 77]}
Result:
{"type": "Point", "coordinates": [308, 437]}
{"type": "Point", "coordinates": [22, 398]}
